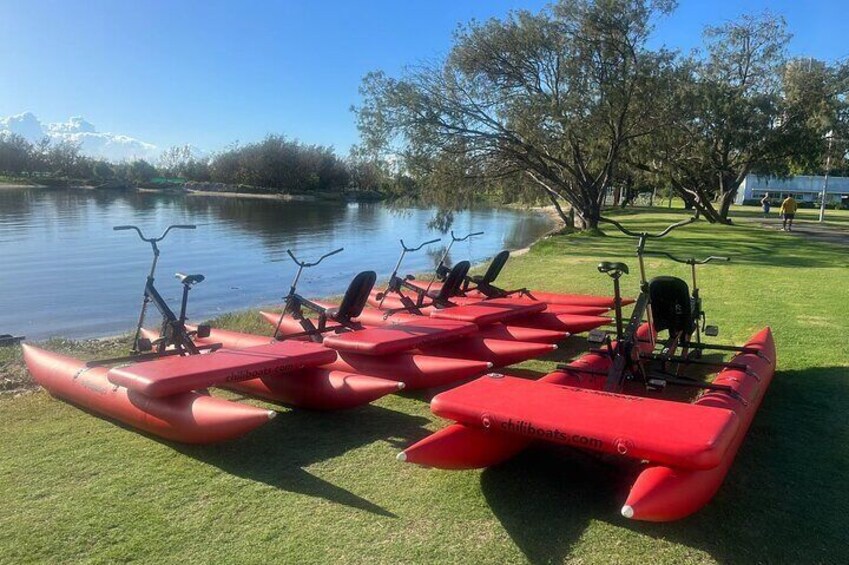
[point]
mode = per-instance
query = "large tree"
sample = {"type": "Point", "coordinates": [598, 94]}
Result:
{"type": "Point", "coordinates": [739, 107]}
{"type": "Point", "coordinates": [821, 91]}
{"type": "Point", "coordinates": [555, 96]}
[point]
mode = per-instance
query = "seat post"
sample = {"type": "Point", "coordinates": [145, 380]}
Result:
{"type": "Point", "coordinates": [615, 272]}
{"type": "Point", "coordinates": [184, 303]}
{"type": "Point", "coordinates": [617, 304]}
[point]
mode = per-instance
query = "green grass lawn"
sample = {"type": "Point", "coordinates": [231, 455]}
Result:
{"type": "Point", "coordinates": [312, 487]}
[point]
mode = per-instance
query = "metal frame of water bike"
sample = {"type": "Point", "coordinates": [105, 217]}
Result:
{"type": "Point", "coordinates": [642, 239]}
{"type": "Point", "coordinates": [442, 269]}
{"type": "Point", "coordinates": [294, 305]}
{"type": "Point", "coordinates": [625, 353]}
{"type": "Point", "coordinates": [397, 283]}
{"type": "Point", "coordinates": [174, 338]}
{"type": "Point", "coordinates": [469, 283]}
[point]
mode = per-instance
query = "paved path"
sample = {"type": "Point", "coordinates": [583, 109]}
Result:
{"type": "Point", "coordinates": [828, 232]}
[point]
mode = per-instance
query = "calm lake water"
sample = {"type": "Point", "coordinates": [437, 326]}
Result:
{"type": "Point", "coordinates": [66, 273]}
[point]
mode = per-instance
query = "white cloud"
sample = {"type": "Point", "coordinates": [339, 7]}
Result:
{"type": "Point", "coordinates": [76, 124]}
{"type": "Point", "coordinates": [102, 145]}
{"type": "Point", "coordinates": [26, 125]}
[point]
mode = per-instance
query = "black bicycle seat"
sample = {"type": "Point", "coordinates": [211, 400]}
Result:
{"type": "Point", "coordinates": [189, 280]}
{"type": "Point", "coordinates": [613, 268]}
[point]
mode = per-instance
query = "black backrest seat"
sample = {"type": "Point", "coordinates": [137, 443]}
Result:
{"type": "Point", "coordinates": [454, 281]}
{"type": "Point", "coordinates": [356, 296]}
{"type": "Point", "coordinates": [670, 304]}
{"type": "Point", "coordinates": [494, 269]}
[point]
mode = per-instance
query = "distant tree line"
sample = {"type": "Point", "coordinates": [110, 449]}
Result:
{"type": "Point", "coordinates": [63, 160]}
{"type": "Point", "coordinates": [275, 163]}
{"type": "Point", "coordinates": [571, 103]}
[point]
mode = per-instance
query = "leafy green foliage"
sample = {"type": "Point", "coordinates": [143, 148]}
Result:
{"type": "Point", "coordinates": [553, 96]}
{"type": "Point", "coordinates": [741, 107]}
{"type": "Point", "coordinates": [282, 164]}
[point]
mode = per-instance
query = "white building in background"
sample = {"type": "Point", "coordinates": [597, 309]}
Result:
{"type": "Point", "coordinates": [803, 188]}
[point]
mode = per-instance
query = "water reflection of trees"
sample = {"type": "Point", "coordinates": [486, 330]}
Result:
{"type": "Point", "coordinates": [274, 222]}
{"type": "Point", "coordinates": [15, 205]}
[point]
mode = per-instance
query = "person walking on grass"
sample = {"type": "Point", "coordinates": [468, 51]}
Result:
{"type": "Point", "coordinates": [765, 204]}
{"type": "Point", "coordinates": [788, 212]}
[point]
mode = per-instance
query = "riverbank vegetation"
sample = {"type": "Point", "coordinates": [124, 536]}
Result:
{"type": "Point", "coordinates": [575, 101]}
{"type": "Point", "coordinates": [325, 487]}
{"type": "Point", "coordinates": [272, 165]}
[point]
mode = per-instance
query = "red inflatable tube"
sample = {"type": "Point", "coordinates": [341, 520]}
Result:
{"type": "Point", "coordinates": [372, 317]}
{"type": "Point", "coordinates": [553, 321]}
{"type": "Point", "coordinates": [458, 447]}
{"type": "Point", "coordinates": [549, 308]}
{"type": "Point", "coordinates": [662, 494]}
{"type": "Point", "coordinates": [318, 389]}
{"type": "Point", "coordinates": [414, 371]}
{"type": "Point", "coordinates": [572, 323]}
{"type": "Point", "coordinates": [499, 352]}
{"type": "Point", "coordinates": [462, 447]}
{"type": "Point", "coordinates": [187, 417]}
{"type": "Point", "coordinates": [576, 309]}
{"type": "Point", "coordinates": [518, 333]}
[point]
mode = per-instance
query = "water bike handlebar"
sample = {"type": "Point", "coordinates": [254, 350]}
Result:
{"type": "Point", "coordinates": [161, 237]}
{"type": "Point", "coordinates": [467, 236]}
{"type": "Point", "coordinates": [690, 260]}
{"type": "Point", "coordinates": [303, 264]}
{"type": "Point", "coordinates": [410, 249]}
{"type": "Point", "coordinates": [646, 235]}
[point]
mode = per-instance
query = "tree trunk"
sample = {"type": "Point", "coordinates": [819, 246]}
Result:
{"type": "Point", "coordinates": [696, 198]}
{"type": "Point", "coordinates": [567, 219]}
{"type": "Point", "coordinates": [725, 196]}
{"type": "Point", "coordinates": [726, 199]}
{"type": "Point", "coordinates": [589, 216]}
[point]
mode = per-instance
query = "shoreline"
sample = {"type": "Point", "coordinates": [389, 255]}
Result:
{"type": "Point", "coordinates": [251, 195]}
{"type": "Point", "coordinates": [9, 186]}
{"type": "Point", "coordinates": [281, 197]}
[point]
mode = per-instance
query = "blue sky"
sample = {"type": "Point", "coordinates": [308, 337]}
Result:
{"type": "Point", "coordinates": [212, 72]}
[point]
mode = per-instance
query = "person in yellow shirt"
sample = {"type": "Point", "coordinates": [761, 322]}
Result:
{"type": "Point", "coordinates": [788, 212]}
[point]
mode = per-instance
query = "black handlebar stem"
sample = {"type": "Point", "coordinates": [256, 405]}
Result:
{"type": "Point", "coordinates": [467, 236]}
{"type": "Point", "coordinates": [155, 239]}
{"type": "Point", "coordinates": [646, 235]}
{"type": "Point", "coordinates": [689, 260]}
{"type": "Point", "coordinates": [313, 264]}
{"type": "Point", "coordinates": [410, 249]}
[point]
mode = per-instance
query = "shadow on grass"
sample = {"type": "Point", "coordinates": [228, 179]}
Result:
{"type": "Point", "coordinates": [276, 454]}
{"type": "Point", "coordinates": [782, 501]}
